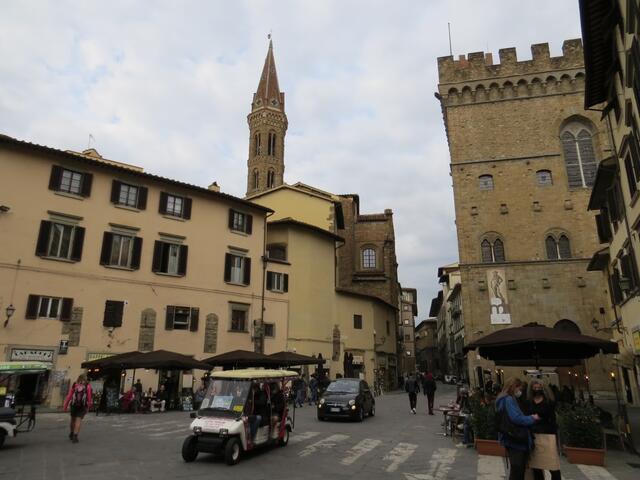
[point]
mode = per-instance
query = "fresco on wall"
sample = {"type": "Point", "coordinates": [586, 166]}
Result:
{"type": "Point", "coordinates": [497, 282]}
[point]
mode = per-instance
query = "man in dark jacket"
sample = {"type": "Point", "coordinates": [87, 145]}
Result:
{"type": "Point", "coordinates": [412, 387]}
{"type": "Point", "coordinates": [429, 388]}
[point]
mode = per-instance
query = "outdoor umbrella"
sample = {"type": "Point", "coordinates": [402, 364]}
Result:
{"type": "Point", "coordinates": [164, 359]}
{"type": "Point", "coordinates": [114, 361]}
{"type": "Point", "coordinates": [241, 359]}
{"type": "Point", "coordinates": [286, 359]}
{"type": "Point", "coordinates": [539, 345]}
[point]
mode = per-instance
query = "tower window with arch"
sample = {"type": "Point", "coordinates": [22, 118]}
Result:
{"type": "Point", "coordinates": [492, 250]}
{"type": "Point", "coordinates": [271, 147]}
{"type": "Point", "coordinates": [257, 147]}
{"type": "Point", "coordinates": [270, 178]}
{"type": "Point", "coordinates": [256, 179]}
{"type": "Point", "coordinates": [485, 182]}
{"type": "Point", "coordinates": [579, 154]}
{"type": "Point", "coordinates": [558, 247]}
{"type": "Point", "coordinates": [369, 258]}
{"type": "Point", "coordinates": [544, 178]}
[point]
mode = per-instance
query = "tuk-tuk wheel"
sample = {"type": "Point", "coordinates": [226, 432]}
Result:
{"type": "Point", "coordinates": [190, 448]}
{"type": "Point", "coordinates": [232, 451]}
{"type": "Point", "coordinates": [284, 440]}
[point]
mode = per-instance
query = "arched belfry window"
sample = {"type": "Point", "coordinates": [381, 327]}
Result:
{"type": "Point", "coordinates": [256, 144]}
{"type": "Point", "coordinates": [369, 258]}
{"type": "Point", "coordinates": [270, 178]}
{"type": "Point", "coordinates": [271, 149]}
{"type": "Point", "coordinates": [557, 246]}
{"type": "Point", "coordinates": [492, 250]}
{"type": "Point", "coordinates": [256, 179]}
{"type": "Point", "coordinates": [579, 154]}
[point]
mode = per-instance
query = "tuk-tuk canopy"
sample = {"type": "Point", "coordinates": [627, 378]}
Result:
{"type": "Point", "coordinates": [253, 373]}
{"type": "Point", "coordinates": [11, 368]}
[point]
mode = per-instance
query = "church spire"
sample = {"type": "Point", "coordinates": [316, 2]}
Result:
{"type": "Point", "coordinates": [268, 93]}
{"type": "Point", "coordinates": [267, 127]}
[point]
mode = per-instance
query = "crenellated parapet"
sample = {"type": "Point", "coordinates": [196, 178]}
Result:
{"type": "Point", "coordinates": [475, 78]}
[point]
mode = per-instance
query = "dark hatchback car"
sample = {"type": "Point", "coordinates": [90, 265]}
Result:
{"type": "Point", "coordinates": [347, 398]}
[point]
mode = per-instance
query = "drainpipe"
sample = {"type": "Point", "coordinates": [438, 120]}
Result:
{"type": "Point", "coordinates": [259, 338]}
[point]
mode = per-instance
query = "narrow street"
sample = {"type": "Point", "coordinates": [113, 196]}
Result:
{"type": "Point", "coordinates": [392, 445]}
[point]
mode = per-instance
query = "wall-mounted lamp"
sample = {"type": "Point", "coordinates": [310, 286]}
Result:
{"type": "Point", "coordinates": [596, 326]}
{"type": "Point", "coordinates": [10, 310]}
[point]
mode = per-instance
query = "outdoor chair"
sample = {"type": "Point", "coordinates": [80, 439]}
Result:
{"type": "Point", "coordinates": [616, 429]}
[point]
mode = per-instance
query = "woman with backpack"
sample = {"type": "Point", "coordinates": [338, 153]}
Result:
{"type": "Point", "coordinates": [513, 428]}
{"type": "Point", "coordinates": [78, 401]}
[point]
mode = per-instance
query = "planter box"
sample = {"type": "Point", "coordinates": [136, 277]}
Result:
{"type": "Point", "coordinates": [584, 456]}
{"type": "Point", "coordinates": [490, 447]}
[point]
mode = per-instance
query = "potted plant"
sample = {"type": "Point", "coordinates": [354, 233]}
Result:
{"type": "Point", "coordinates": [581, 434]}
{"type": "Point", "coordinates": [483, 421]}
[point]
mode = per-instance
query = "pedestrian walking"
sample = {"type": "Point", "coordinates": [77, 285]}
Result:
{"type": "Point", "coordinates": [545, 454]}
{"type": "Point", "coordinates": [412, 387]}
{"type": "Point", "coordinates": [301, 390]}
{"type": "Point", "coordinates": [429, 388]}
{"type": "Point", "coordinates": [514, 431]}
{"type": "Point", "coordinates": [78, 401]}
{"type": "Point", "coordinates": [313, 387]}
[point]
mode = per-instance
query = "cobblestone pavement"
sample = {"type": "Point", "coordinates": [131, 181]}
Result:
{"type": "Point", "coordinates": [394, 444]}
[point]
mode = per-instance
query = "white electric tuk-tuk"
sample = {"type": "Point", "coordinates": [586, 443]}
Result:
{"type": "Point", "coordinates": [242, 410]}
{"type": "Point", "coordinates": [16, 417]}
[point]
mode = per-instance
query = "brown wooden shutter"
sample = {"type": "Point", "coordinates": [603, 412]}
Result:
{"type": "Point", "coordinates": [168, 324]}
{"type": "Point", "coordinates": [186, 209]}
{"type": "Point", "coordinates": [231, 212]}
{"type": "Point", "coordinates": [182, 261]}
{"type": "Point", "coordinates": [105, 253]}
{"type": "Point", "coordinates": [162, 208]}
{"type": "Point", "coordinates": [603, 226]}
{"type": "Point", "coordinates": [228, 259]}
{"type": "Point", "coordinates": [286, 283]}
{"type": "Point", "coordinates": [136, 253]}
{"type": "Point", "coordinates": [78, 241]}
{"type": "Point", "coordinates": [195, 317]}
{"type": "Point", "coordinates": [156, 265]}
{"type": "Point", "coordinates": [87, 180]}
{"type": "Point", "coordinates": [65, 312]}
{"type": "Point", "coordinates": [32, 307]}
{"type": "Point", "coordinates": [269, 280]}
{"type": "Point", "coordinates": [43, 238]}
{"type": "Point", "coordinates": [115, 191]}
{"type": "Point", "coordinates": [249, 223]}
{"type": "Point", "coordinates": [142, 197]}
{"type": "Point", "coordinates": [55, 178]}
{"type": "Point", "coordinates": [113, 311]}
{"type": "Point", "coordinates": [247, 271]}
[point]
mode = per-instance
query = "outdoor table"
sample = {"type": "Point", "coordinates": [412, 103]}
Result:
{"type": "Point", "coordinates": [445, 409]}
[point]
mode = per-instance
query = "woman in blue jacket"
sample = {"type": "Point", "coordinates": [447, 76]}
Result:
{"type": "Point", "coordinates": [517, 450]}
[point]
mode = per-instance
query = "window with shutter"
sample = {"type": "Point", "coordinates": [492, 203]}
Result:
{"type": "Point", "coordinates": [276, 282]}
{"type": "Point", "coordinates": [631, 176]}
{"type": "Point", "coordinates": [60, 240]}
{"type": "Point", "coordinates": [113, 312]}
{"type": "Point", "coordinates": [170, 258]}
{"type": "Point", "coordinates": [32, 307]}
{"type": "Point", "coordinates": [239, 317]}
{"type": "Point", "coordinates": [603, 227]}
{"type": "Point", "coordinates": [269, 330]}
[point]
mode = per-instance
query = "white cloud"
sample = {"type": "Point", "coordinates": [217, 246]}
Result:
{"type": "Point", "coordinates": [168, 85]}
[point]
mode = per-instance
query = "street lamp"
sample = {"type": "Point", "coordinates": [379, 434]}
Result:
{"type": "Point", "coordinates": [10, 310]}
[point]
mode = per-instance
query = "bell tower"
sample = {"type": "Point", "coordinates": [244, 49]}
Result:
{"type": "Point", "coordinates": [267, 128]}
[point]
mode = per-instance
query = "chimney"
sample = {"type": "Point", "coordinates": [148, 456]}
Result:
{"type": "Point", "coordinates": [214, 187]}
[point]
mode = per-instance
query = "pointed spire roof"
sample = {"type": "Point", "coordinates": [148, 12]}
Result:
{"type": "Point", "coordinates": [268, 88]}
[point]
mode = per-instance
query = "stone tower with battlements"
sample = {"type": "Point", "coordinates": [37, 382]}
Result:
{"type": "Point", "coordinates": [267, 128]}
{"type": "Point", "coordinates": [524, 154]}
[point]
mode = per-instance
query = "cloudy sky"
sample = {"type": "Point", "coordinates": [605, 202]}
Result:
{"type": "Point", "coordinates": [167, 85]}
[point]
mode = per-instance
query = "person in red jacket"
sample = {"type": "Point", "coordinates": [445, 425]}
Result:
{"type": "Point", "coordinates": [78, 401]}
